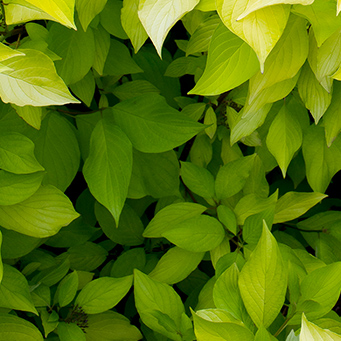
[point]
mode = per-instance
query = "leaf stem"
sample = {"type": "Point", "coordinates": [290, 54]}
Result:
{"type": "Point", "coordinates": [281, 328]}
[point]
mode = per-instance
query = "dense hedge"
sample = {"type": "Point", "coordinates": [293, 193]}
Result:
{"type": "Point", "coordinates": [169, 170]}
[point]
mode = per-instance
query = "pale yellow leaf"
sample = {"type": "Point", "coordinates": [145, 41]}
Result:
{"type": "Point", "coordinates": [310, 331]}
{"type": "Point", "coordinates": [159, 16]}
{"type": "Point", "coordinates": [255, 5]}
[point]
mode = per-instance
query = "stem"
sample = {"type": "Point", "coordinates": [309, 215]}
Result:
{"type": "Point", "coordinates": [281, 328]}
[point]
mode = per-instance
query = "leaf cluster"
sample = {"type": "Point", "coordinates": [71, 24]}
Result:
{"type": "Point", "coordinates": [167, 170]}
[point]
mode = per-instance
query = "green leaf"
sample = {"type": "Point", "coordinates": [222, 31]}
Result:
{"type": "Point", "coordinates": [232, 177]}
{"type": "Point", "coordinates": [263, 335]}
{"type": "Point", "coordinates": [110, 18]}
{"type": "Point", "coordinates": [152, 125]}
{"type": "Point", "coordinates": [86, 257]}
{"type": "Point", "coordinates": [312, 93]}
{"type": "Point", "coordinates": [320, 291]}
{"type": "Point", "coordinates": [284, 138]}
{"type": "Point", "coordinates": [230, 63]}
{"type": "Point", "coordinates": [154, 72]}
{"type": "Point", "coordinates": [15, 188]}
{"type": "Point", "coordinates": [332, 117]}
{"type": "Point", "coordinates": [111, 326]}
{"type": "Point", "coordinates": [125, 264]}
{"type": "Point", "coordinates": [226, 295]}
{"type": "Point", "coordinates": [326, 59]}
{"type": "Point", "coordinates": [70, 332]}
{"type": "Point", "coordinates": [108, 168]}
{"type": "Point", "coordinates": [1, 264]}
{"type": "Point", "coordinates": [49, 321]}
{"type": "Point", "coordinates": [252, 204]}
{"type": "Point", "coordinates": [41, 215]}
{"type": "Point", "coordinates": [268, 22]}
{"type": "Point", "coordinates": [16, 245]}
{"type": "Point", "coordinates": [322, 16]}
{"type": "Point", "coordinates": [154, 174]}
{"type": "Point", "coordinates": [87, 10]}
{"type": "Point", "coordinates": [57, 150]}
{"type": "Point", "coordinates": [175, 265]}
{"type": "Point", "coordinates": [197, 234]}
{"type": "Point", "coordinates": [42, 87]}
{"type": "Point", "coordinates": [84, 89]}
{"type": "Point", "coordinates": [103, 293]}
{"type": "Point", "coordinates": [119, 61]}
{"type": "Point", "coordinates": [199, 180]}
{"type": "Point", "coordinates": [322, 162]}
{"type": "Point", "coordinates": [220, 331]}
{"type": "Point", "coordinates": [211, 121]}
{"type": "Point", "coordinates": [14, 291]}
{"type": "Point", "coordinates": [171, 215]}
{"type": "Point", "coordinates": [158, 17]}
{"type": "Point", "coordinates": [310, 331]}
{"type": "Point", "coordinates": [132, 24]}
{"type": "Point", "coordinates": [102, 46]}
{"type": "Point", "coordinates": [227, 217]}
{"type": "Point", "coordinates": [67, 289]}
{"type": "Point", "coordinates": [294, 204]}
{"type": "Point", "coordinates": [263, 281]}
{"type": "Point", "coordinates": [201, 38]}
{"type": "Point", "coordinates": [17, 154]}
{"type": "Point", "coordinates": [52, 274]}
{"type": "Point", "coordinates": [129, 230]}
{"type": "Point", "coordinates": [153, 299]}
{"type": "Point", "coordinates": [75, 48]}
{"type": "Point", "coordinates": [13, 328]}
{"type": "Point", "coordinates": [133, 89]}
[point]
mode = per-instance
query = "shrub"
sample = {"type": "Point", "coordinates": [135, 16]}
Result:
{"type": "Point", "coordinates": [177, 188]}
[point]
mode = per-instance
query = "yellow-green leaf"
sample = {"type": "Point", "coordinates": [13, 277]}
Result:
{"type": "Point", "coordinates": [230, 63]}
{"type": "Point", "coordinates": [322, 16]}
{"type": "Point", "coordinates": [108, 168]}
{"type": "Point", "coordinates": [313, 94]}
{"type": "Point", "coordinates": [293, 204]}
{"type": "Point", "coordinates": [285, 60]}
{"type": "Point", "coordinates": [325, 60]}
{"type": "Point", "coordinates": [61, 11]}
{"type": "Point", "coordinates": [132, 24]}
{"type": "Point", "coordinates": [263, 281]}
{"type": "Point", "coordinates": [31, 115]}
{"type": "Point", "coordinates": [13, 328]}
{"type": "Point", "coordinates": [322, 162]}
{"type": "Point", "coordinates": [33, 81]}
{"type": "Point", "coordinates": [6, 52]}
{"type": "Point", "coordinates": [261, 29]}
{"type": "Point", "coordinates": [88, 9]}
{"type": "Point", "coordinates": [159, 16]}
{"type": "Point", "coordinates": [284, 137]}
{"type": "Point", "coordinates": [41, 215]}
{"type": "Point", "coordinates": [218, 330]}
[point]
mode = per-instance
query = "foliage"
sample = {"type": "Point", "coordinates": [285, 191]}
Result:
{"type": "Point", "coordinates": [177, 188]}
